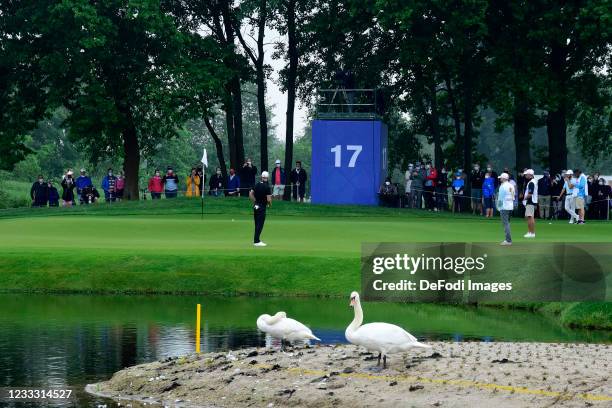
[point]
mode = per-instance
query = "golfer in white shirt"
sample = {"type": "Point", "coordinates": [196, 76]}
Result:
{"type": "Point", "coordinates": [571, 192]}
{"type": "Point", "coordinates": [505, 205]}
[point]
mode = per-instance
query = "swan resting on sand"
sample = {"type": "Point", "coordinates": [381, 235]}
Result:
{"type": "Point", "coordinates": [382, 337]}
{"type": "Point", "coordinates": [284, 328]}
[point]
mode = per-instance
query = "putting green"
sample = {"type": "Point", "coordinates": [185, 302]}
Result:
{"type": "Point", "coordinates": [166, 246]}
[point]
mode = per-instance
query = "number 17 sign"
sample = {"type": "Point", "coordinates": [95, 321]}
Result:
{"type": "Point", "coordinates": [348, 161]}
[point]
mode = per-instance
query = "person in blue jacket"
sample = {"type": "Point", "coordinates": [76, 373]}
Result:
{"type": "Point", "coordinates": [488, 194]}
{"type": "Point", "coordinates": [82, 182]}
{"type": "Point", "coordinates": [53, 195]}
{"type": "Point", "coordinates": [233, 184]}
{"type": "Point", "coordinates": [458, 186]}
{"type": "Point", "coordinates": [109, 185]}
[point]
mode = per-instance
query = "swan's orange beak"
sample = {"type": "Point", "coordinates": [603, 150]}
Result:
{"type": "Point", "coordinates": [352, 302]}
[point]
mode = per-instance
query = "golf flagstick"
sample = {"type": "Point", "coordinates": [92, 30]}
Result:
{"type": "Point", "coordinates": [204, 161]}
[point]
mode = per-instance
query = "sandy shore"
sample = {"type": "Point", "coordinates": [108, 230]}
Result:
{"type": "Point", "coordinates": [449, 375]}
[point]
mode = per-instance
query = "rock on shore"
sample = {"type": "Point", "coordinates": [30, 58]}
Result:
{"type": "Point", "coordinates": [449, 375]}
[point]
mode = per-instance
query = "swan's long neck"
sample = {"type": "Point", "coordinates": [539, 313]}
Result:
{"type": "Point", "coordinates": [358, 319]}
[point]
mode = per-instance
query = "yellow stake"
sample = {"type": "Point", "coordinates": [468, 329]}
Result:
{"type": "Point", "coordinates": [198, 315]}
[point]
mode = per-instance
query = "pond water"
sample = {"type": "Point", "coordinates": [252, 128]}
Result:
{"type": "Point", "coordinates": [71, 340]}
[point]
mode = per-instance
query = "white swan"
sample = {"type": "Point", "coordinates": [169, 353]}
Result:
{"type": "Point", "coordinates": [281, 327]}
{"type": "Point", "coordinates": [382, 337]}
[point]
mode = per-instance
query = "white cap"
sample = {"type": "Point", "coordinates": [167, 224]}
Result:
{"type": "Point", "coordinates": [569, 172]}
{"type": "Point", "coordinates": [504, 176]}
{"type": "Point", "coordinates": [277, 161]}
{"type": "Point", "coordinates": [82, 170]}
{"type": "Point", "coordinates": [264, 174]}
{"type": "Point", "coordinates": [529, 171]}
{"type": "Point", "coordinates": [70, 173]}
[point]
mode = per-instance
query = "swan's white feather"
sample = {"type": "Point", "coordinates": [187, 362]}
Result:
{"type": "Point", "coordinates": [383, 337]}
{"type": "Point", "coordinates": [284, 328]}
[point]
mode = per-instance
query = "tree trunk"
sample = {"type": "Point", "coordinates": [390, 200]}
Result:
{"type": "Point", "coordinates": [291, 85]}
{"type": "Point", "coordinates": [238, 134]}
{"type": "Point", "coordinates": [261, 86]}
{"type": "Point", "coordinates": [131, 161]}
{"type": "Point", "coordinates": [218, 145]}
{"type": "Point", "coordinates": [556, 128]}
{"type": "Point", "coordinates": [556, 119]}
{"type": "Point", "coordinates": [454, 111]}
{"type": "Point", "coordinates": [435, 125]}
{"type": "Point", "coordinates": [522, 134]}
{"type": "Point", "coordinates": [467, 131]}
{"type": "Point", "coordinates": [228, 108]}
{"type": "Point", "coordinates": [234, 85]}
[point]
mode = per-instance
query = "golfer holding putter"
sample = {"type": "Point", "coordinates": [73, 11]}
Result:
{"type": "Point", "coordinates": [261, 196]}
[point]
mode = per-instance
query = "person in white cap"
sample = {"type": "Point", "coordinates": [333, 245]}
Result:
{"type": "Point", "coordinates": [278, 180]}
{"type": "Point", "coordinates": [530, 200]}
{"type": "Point", "coordinates": [505, 205]}
{"type": "Point", "coordinates": [570, 192]}
{"type": "Point", "coordinates": [261, 197]}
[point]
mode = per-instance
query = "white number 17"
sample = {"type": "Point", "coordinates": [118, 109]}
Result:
{"type": "Point", "coordinates": [337, 150]}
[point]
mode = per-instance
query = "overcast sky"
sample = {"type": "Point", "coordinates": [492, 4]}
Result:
{"type": "Point", "coordinates": [274, 96]}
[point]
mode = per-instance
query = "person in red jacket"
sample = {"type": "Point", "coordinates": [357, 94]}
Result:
{"type": "Point", "coordinates": [431, 174]}
{"type": "Point", "coordinates": [156, 185]}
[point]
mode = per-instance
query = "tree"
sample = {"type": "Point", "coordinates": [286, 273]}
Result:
{"type": "Point", "coordinates": [130, 77]}
{"type": "Point", "coordinates": [576, 35]}
{"type": "Point", "coordinates": [261, 7]}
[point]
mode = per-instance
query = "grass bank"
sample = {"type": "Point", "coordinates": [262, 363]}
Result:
{"type": "Point", "coordinates": [167, 247]}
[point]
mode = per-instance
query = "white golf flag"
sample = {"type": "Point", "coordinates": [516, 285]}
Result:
{"type": "Point", "coordinates": [205, 159]}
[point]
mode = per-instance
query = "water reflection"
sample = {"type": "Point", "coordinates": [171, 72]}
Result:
{"type": "Point", "coordinates": [69, 341]}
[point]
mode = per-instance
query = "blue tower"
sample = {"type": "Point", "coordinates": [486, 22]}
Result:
{"type": "Point", "coordinates": [349, 160]}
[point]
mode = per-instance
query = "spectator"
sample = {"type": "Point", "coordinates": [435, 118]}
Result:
{"type": "Point", "coordinates": [156, 185]}
{"type": "Point", "coordinates": [601, 200]}
{"type": "Point", "coordinates": [89, 195]}
{"type": "Point", "coordinates": [570, 192]}
{"type": "Point", "coordinates": [408, 186]}
{"type": "Point", "coordinates": [217, 184]}
{"type": "Point", "coordinates": [493, 175]}
{"type": "Point", "coordinates": [39, 192]}
{"type": "Point", "coordinates": [202, 178]}
{"type": "Point", "coordinates": [431, 174]}
{"type": "Point", "coordinates": [278, 180]}
{"type": "Point", "coordinates": [388, 194]}
{"type": "Point", "coordinates": [68, 187]}
{"type": "Point", "coordinates": [520, 189]}
{"type": "Point", "coordinates": [556, 187]}
{"type": "Point", "coordinates": [441, 192]}
{"type": "Point", "coordinates": [544, 188]}
{"type": "Point", "coordinates": [120, 185]}
{"type": "Point", "coordinates": [171, 183]}
{"type": "Point", "coordinates": [488, 194]}
{"type": "Point", "coordinates": [476, 180]}
{"type": "Point", "coordinates": [458, 186]}
{"type": "Point", "coordinates": [53, 195]}
{"type": "Point", "coordinates": [530, 201]}
{"type": "Point", "coordinates": [193, 184]}
{"type": "Point", "coordinates": [417, 187]}
{"type": "Point", "coordinates": [247, 177]}
{"type": "Point", "coordinates": [109, 186]}
{"type": "Point", "coordinates": [591, 192]}
{"type": "Point", "coordinates": [298, 179]}
{"type": "Point", "coordinates": [505, 205]}
{"type": "Point", "coordinates": [581, 185]}
{"type": "Point", "coordinates": [81, 182]}
{"type": "Point", "coordinates": [233, 184]}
